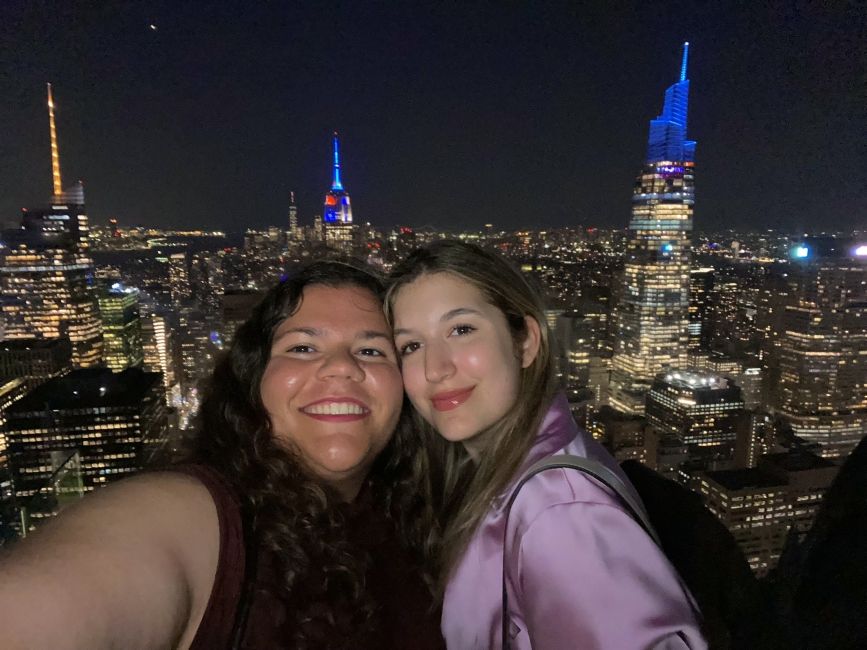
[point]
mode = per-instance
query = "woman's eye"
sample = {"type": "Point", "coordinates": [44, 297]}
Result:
{"type": "Point", "coordinates": [462, 330]}
{"type": "Point", "coordinates": [371, 352]}
{"type": "Point", "coordinates": [408, 348]}
{"type": "Point", "coordinates": [301, 349]}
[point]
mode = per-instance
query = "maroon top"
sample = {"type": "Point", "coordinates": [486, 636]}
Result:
{"type": "Point", "coordinates": [407, 618]}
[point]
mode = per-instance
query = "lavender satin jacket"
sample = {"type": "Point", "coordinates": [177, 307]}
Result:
{"type": "Point", "coordinates": [580, 572]}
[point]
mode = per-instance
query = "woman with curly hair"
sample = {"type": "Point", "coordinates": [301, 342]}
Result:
{"type": "Point", "coordinates": [298, 521]}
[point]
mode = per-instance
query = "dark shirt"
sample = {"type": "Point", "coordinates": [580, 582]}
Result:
{"type": "Point", "coordinates": [407, 617]}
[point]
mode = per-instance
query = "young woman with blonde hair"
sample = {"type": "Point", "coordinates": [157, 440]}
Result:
{"type": "Point", "coordinates": [567, 563]}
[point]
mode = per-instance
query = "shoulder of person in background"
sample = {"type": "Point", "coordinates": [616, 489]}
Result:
{"type": "Point", "coordinates": [707, 557]}
{"type": "Point", "coordinates": [821, 583]}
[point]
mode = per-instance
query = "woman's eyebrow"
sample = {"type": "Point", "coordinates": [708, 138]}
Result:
{"type": "Point", "coordinates": [452, 313]}
{"type": "Point", "coordinates": [459, 311]}
{"type": "Point", "coordinates": [308, 331]}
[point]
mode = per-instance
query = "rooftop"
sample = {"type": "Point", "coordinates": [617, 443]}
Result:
{"type": "Point", "coordinates": [89, 388]}
{"type": "Point", "coordinates": [744, 479]}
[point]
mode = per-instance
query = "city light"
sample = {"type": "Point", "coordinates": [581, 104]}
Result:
{"type": "Point", "coordinates": [801, 252]}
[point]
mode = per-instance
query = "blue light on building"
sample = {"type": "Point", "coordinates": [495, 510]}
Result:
{"type": "Point", "coordinates": [801, 252]}
{"type": "Point", "coordinates": [667, 139]}
{"type": "Point", "coordinates": [337, 207]}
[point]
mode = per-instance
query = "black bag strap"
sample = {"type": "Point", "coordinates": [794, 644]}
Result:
{"type": "Point", "coordinates": [609, 479]}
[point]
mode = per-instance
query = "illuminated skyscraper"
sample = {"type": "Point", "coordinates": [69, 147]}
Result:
{"type": "Point", "coordinates": [115, 421]}
{"type": "Point", "coordinates": [652, 318]}
{"type": "Point", "coordinates": [46, 273]}
{"type": "Point", "coordinates": [821, 350]}
{"type": "Point", "coordinates": [119, 309]}
{"type": "Point", "coordinates": [337, 208]}
{"type": "Point", "coordinates": [294, 231]}
{"type": "Point", "coordinates": [700, 287]}
{"type": "Point", "coordinates": [337, 214]}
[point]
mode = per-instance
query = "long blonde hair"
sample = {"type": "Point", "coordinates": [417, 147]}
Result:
{"type": "Point", "coordinates": [465, 497]}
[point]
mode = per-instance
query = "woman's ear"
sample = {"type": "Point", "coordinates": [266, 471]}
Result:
{"type": "Point", "coordinates": [530, 346]}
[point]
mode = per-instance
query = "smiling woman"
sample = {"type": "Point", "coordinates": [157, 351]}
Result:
{"type": "Point", "coordinates": [565, 566]}
{"type": "Point", "coordinates": [300, 519]}
{"type": "Point", "coordinates": [332, 388]}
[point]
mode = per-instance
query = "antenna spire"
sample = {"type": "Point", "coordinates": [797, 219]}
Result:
{"type": "Point", "coordinates": [336, 184]}
{"type": "Point", "coordinates": [683, 63]}
{"type": "Point", "coordinates": [55, 152]}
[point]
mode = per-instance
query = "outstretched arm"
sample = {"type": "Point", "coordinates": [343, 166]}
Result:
{"type": "Point", "coordinates": [130, 566]}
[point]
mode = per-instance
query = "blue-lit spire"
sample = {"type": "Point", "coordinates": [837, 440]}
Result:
{"type": "Point", "coordinates": [667, 139]}
{"type": "Point", "coordinates": [683, 63]}
{"type": "Point", "coordinates": [336, 184]}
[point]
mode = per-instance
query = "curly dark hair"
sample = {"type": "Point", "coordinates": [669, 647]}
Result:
{"type": "Point", "coordinates": [297, 519]}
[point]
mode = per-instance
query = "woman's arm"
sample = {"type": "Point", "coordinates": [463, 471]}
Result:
{"type": "Point", "coordinates": [130, 566]}
{"type": "Point", "coordinates": [590, 577]}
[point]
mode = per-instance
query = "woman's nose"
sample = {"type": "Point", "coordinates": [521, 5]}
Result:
{"type": "Point", "coordinates": [438, 364]}
{"type": "Point", "coordinates": [341, 364]}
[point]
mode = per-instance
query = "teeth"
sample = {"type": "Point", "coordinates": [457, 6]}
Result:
{"type": "Point", "coordinates": [334, 408]}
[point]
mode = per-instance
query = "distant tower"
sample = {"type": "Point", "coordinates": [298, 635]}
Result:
{"type": "Point", "coordinates": [337, 207]}
{"type": "Point", "coordinates": [46, 273]}
{"type": "Point", "coordinates": [653, 314]}
{"type": "Point", "coordinates": [73, 195]}
{"type": "Point", "coordinates": [337, 215]}
{"type": "Point", "coordinates": [55, 151]}
{"type": "Point", "coordinates": [293, 217]}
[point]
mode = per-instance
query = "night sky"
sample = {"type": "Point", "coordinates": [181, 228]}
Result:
{"type": "Point", "coordinates": [451, 114]}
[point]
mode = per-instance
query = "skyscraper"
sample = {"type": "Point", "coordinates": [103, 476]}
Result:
{"type": "Point", "coordinates": [704, 410]}
{"type": "Point", "coordinates": [46, 273]}
{"type": "Point", "coordinates": [821, 350]}
{"type": "Point", "coordinates": [337, 214]}
{"type": "Point", "coordinates": [652, 317]}
{"type": "Point", "coordinates": [119, 309]}
{"type": "Point", "coordinates": [337, 208]}
{"type": "Point", "coordinates": [115, 421]}
{"type": "Point", "coordinates": [294, 232]}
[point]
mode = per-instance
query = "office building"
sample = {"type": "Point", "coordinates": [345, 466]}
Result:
{"type": "Point", "coordinates": [157, 348]}
{"type": "Point", "coordinates": [114, 422]}
{"type": "Point", "coordinates": [34, 360]}
{"type": "Point", "coordinates": [47, 276]}
{"type": "Point", "coordinates": [700, 287]}
{"type": "Point", "coordinates": [822, 389]}
{"type": "Point", "coordinates": [760, 505]}
{"type": "Point", "coordinates": [121, 325]}
{"type": "Point", "coordinates": [653, 312]}
{"type": "Point", "coordinates": [704, 411]}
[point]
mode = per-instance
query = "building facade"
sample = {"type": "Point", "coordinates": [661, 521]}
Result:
{"type": "Point", "coordinates": [704, 411]}
{"type": "Point", "coordinates": [822, 352]}
{"type": "Point", "coordinates": [761, 505]}
{"type": "Point", "coordinates": [115, 422]}
{"type": "Point", "coordinates": [653, 312]}
{"type": "Point", "coordinates": [121, 324]}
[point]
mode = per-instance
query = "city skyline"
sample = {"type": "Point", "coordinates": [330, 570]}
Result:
{"type": "Point", "coordinates": [509, 117]}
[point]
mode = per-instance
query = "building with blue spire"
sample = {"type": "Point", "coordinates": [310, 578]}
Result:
{"type": "Point", "coordinates": [652, 317]}
{"type": "Point", "coordinates": [337, 206]}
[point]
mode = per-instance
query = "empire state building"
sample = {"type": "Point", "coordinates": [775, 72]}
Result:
{"type": "Point", "coordinates": [652, 317]}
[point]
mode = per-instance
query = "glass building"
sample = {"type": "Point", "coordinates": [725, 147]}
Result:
{"type": "Point", "coordinates": [122, 336]}
{"type": "Point", "coordinates": [652, 316]}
